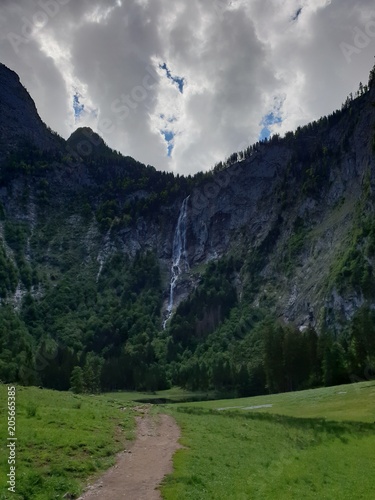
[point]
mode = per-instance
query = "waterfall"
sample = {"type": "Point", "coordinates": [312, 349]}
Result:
{"type": "Point", "coordinates": [179, 256]}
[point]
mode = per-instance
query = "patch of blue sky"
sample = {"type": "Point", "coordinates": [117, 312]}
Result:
{"type": "Point", "coordinates": [272, 118]}
{"type": "Point", "coordinates": [264, 134]}
{"type": "Point", "coordinates": [267, 121]}
{"type": "Point", "coordinates": [180, 81]}
{"type": "Point", "coordinates": [168, 137]}
{"type": "Point", "coordinates": [78, 108]}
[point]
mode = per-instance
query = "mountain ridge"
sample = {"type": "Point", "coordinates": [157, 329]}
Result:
{"type": "Point", "coordinates": [283, 229]}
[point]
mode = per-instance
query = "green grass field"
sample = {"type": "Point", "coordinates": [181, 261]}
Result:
{"type": "Point", "coordinates": [316, 444]}
{"type": "Point", "coordinates": [344, 402]}
{"type": "Point", "coordinates": [62, 439]}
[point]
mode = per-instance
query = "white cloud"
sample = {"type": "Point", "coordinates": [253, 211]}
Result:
{"type": "Point", "coordinates": [238, 59]}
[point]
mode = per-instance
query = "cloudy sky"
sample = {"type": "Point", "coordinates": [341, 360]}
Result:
{"type": "Point", "coordinates": [182, 84]}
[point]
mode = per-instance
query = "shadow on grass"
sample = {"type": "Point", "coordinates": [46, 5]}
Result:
{"type": "Point", "coordinates": [316, 425]}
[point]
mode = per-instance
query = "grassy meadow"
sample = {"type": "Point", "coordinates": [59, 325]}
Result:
{"type": "Point", "coordinates": [316, 444]}
{"type": "Point", "coordinates": [343, 402]}
{"type": "Point", "coordinates": [62, 439]}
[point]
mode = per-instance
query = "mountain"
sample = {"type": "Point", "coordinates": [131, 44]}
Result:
{"type": "Point", "coordinates": [20, 123]}
{"type": "Point", "coordinates": [256, 276]}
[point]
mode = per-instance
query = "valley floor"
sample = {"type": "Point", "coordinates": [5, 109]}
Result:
{"type": "Point", "coordinates": [315, 444]}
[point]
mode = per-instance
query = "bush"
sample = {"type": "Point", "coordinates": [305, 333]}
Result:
{"type": "Point", "coordinates": [31, 410]}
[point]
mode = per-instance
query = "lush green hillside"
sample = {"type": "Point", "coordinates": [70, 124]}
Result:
{"type": "Point", "coordinates": [310, 444]}
{"type": "Point", "coordinates": [62, 439]}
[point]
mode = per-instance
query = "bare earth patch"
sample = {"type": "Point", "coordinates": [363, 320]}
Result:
{"type": "Point", "coordinates": [139, 471]}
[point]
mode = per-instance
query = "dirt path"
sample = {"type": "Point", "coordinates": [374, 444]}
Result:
{"type": "Point", "coordinates": [140, 470]}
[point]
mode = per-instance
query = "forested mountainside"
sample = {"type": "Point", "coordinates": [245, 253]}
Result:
{"type": "Point", "coordinates": [256, 276]}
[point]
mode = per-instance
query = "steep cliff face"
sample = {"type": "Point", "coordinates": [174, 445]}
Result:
{"type": "Point", "coordinates": [20, 122]}
{"type": "Point", "coordinates": [304, 195]}
{"type": "Point", "coordinates": [294, 215]}
{"type": "Point", "coordinates": [239, 197]}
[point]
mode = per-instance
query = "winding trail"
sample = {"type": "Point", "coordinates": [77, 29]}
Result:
{"type": "Point", "coordinates": [139, 471]}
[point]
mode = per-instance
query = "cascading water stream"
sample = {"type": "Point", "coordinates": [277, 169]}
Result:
{"type": "Point", "coordinates": [179, 258]}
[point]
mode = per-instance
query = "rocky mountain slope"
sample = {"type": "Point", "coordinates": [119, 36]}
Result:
{"type": "Point", "coordinates": [111, 266]}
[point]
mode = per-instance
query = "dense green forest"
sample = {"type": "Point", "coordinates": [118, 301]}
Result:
{"type": "Point", "coordinates": [107, 336]}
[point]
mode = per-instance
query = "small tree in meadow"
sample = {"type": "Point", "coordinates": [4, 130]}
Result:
{"type": "Point", "coordinates": [76, 380]}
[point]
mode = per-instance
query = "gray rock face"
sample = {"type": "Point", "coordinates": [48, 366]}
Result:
{"type": "Point", "coordinates": [239, 197]}
{"type": "Point", "coordinates": [259, 204]}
